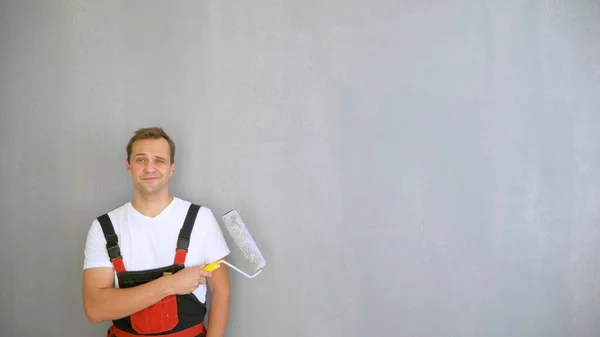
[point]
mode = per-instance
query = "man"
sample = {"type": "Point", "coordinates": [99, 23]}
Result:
{"type": "Point", "coordinates": [143, 266]}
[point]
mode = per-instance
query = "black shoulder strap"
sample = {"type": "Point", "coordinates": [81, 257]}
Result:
{"type": "Point", "coordinates": [183, 242]}
{"type": "Point", "coordinates": [112, 240]}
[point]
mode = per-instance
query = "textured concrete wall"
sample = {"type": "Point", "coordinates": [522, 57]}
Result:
{"type": "Point", "coordinates": [407, 168]}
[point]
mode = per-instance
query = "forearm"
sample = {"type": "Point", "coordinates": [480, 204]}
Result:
{"type": "Point", "coordinates": [111, 303]}
{"type": "Point", "coordinates": [218, 313]}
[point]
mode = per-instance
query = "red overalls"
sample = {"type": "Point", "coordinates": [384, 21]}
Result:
{"type": "Point", "coordinates": [173, 316]}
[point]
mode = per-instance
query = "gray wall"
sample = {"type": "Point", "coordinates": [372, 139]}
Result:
{"type": "Point", "coordinates": [407, 168]}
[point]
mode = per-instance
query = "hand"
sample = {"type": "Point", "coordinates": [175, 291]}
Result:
{"type": "Point", "coordinates": [188, 279]}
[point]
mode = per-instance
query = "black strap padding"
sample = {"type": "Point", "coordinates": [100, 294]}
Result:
{"type": "Point", "coordinates": [183, 241]}
{"type": "Point", "coordinates": [112, 240]}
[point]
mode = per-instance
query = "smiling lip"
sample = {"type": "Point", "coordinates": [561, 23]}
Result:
{"type": "Point", "coordinates": [150, 178]}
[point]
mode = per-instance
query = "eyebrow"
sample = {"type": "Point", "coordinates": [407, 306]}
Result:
{"type": "Point", "coordinates": [145, 154]}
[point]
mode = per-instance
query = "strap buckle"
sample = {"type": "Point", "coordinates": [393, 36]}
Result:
{"type": "Point", "coordinates": [114, 252]}
{"type": "Point", "coordinates": [183, 243]}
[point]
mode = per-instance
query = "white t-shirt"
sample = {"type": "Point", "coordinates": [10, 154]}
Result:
{"type": "Point", "coordinates": [148, 243]}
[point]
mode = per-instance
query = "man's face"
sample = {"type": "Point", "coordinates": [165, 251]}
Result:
{"type": "Point", "coordinates": [150, 165]}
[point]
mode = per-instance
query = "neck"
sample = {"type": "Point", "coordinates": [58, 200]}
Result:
{"type": "Point", "coordinates": [151, 205]}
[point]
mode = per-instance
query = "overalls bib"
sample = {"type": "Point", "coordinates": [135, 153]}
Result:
{"type": "Point", "coordinates": [174, 315]}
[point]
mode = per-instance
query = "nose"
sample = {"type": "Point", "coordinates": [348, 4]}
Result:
{"type": "Point", "coordinates": [149, 167]}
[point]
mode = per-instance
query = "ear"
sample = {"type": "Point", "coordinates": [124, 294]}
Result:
{"type": "Point", "coordinates": [127, 166]}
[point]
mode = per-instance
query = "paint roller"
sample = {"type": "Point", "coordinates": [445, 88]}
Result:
{"type": "Point", "coordinates": [243, 240]}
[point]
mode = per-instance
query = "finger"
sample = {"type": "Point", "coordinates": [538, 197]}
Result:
{"type": "Point", "coordinates": [202, 272]}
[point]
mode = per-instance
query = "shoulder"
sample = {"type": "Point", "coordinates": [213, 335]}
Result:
{"type": "Point", "coordinates": [205, 223]}
{"type": "Point", "coordinates": [116, 212]}
{"type": "Point", "coordinates": [95, 244]}
{"type": "Point", "coordinates": [115, 216]}
{"type": "Point", "coordinates": [204, 212]}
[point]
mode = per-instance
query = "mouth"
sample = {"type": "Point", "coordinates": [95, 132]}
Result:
{"type": "Point", "coordinates": [150, 178]}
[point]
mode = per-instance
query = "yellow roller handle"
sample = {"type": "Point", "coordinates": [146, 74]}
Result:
{"type": "Point", "coordinates": [212, 267]}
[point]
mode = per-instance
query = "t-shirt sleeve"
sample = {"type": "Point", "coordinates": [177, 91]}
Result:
{"type": "Point", "coordinates": [215, 246]}
{"type": "Point", "coordinates": [95, 254]}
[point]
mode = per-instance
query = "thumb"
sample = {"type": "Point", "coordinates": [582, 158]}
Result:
{"type": "Point", "coordinates": [200, 269]}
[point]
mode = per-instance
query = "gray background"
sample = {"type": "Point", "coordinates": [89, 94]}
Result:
{"type": "Point", "coordinates": [408, 168]}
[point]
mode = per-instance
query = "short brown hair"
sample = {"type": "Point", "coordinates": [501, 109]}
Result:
{"type": "Point", "coordinates": [150, 133]}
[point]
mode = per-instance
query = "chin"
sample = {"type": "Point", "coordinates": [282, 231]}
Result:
{"type": "Point", "coordinates": [149, 191]}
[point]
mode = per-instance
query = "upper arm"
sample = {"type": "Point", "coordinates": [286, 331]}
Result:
{"type": "Point", "coordinates": [215, 246]}
{"type": "Point", "coordinates": [95, 254]}
{"type": "Point", "coordinates": [95, 279]}
{"type": "Point", "coordinates": [98, 271]}
{"type": "Point", "coordinates": [219, 281]}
